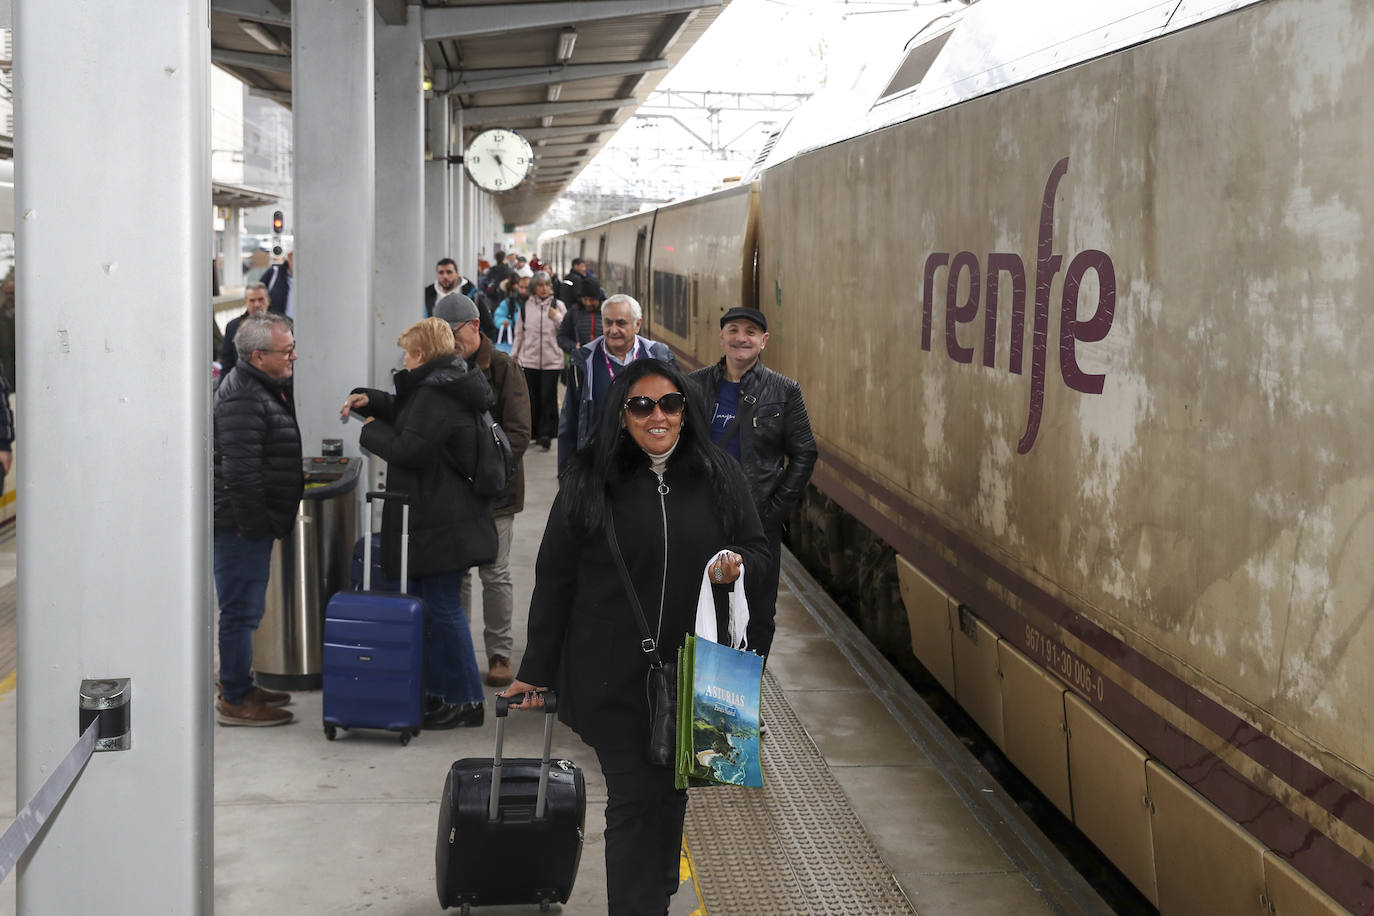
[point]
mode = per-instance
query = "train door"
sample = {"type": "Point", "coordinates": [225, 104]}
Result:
{"type": "Point", "coordinates": [601, 270]}
{"type": "Point", "coordinates": [639, 282]}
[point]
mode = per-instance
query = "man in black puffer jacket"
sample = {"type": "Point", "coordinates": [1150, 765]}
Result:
{"type": "Point", "coordinates": [258, 487]}
{"type": "Point", "coordinates": [759, 417]}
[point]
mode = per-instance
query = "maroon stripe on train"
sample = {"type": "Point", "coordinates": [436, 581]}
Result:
{"type": "Point", "coordinates": [1329, 866]}
{"type": "Point", "coordinates": [1320, 787]}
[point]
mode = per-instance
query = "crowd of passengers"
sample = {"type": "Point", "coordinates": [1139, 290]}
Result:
{"type": "Point", "coordinates": [694, 471]}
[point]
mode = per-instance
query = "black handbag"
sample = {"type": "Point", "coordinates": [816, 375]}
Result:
{"type": "Point", "coordinates": [661, 680]}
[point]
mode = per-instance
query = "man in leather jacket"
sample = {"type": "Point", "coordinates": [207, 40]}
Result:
{"type": "Point", "coordinates": [759, 417]}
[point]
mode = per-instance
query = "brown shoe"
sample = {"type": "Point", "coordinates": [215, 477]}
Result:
{"type": "Point", "coordinates": [250, 713]}
{"type": "Point", "coordinates": [264, 697]}
{"type": "Point", "coordinates": [499, 674]}
{"type": "Point", "coordinates": [259, 695]}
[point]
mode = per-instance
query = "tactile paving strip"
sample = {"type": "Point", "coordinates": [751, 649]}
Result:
{"type": "Point", "coordinates": [9, 638]}
{"type": "Point", "coordinates": [794, 846]}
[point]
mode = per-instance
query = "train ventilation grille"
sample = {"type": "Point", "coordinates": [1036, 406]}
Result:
{"type": "Point", "coordinates": [762, 158]}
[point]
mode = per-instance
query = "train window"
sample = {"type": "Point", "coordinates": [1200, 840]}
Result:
{"type": "Point", "coordinates": [916, 65]}
{"type": "Point", "coordinates": [671, 302]}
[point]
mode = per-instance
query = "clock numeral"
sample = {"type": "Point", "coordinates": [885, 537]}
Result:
{"type": "Point", "coordinates": [472, 158]}
{"type": "Point", "coordinates": [499, 182]}
{"type": "Point", "coordinates": [521, 160]}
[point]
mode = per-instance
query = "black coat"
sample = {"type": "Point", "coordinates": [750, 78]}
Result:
{"type": "Point", "coordinates": [275, 278]}
{"type": "Point", "coordinates": [229, 354]}
{"type": "Point", "coordinates": [258, 477]}
{"type": "Point", "coordinates": [583, 637]}
{"type": "Point", "coordinates": [427, 434]}
{"type": "Point", "coordinates": [776, 447]}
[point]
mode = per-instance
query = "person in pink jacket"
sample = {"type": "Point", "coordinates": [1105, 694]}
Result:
{"type": "Point", "coordinates": [536, 350]}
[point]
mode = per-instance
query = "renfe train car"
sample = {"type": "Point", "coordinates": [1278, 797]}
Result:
{"type": "Point", "coordinates": [1082, 320]}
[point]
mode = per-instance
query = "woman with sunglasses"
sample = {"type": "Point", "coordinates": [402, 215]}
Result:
{"type": "Point", "coordinates": [676, 501]}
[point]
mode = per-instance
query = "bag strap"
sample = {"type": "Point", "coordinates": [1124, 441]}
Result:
{"type": "Point", "coordinates": [648, 644]}
{"type": "Point", "coordinates": [732, 428]}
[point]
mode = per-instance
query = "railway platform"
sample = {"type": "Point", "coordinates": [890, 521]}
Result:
{"type": "Point", "coordinates": [870, 805]}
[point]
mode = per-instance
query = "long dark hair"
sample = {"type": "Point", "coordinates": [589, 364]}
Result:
{"type": "Point", "coordinates": [612, 455]}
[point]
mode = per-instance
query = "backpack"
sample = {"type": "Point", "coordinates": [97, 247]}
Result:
{"type": "Point", "coordinates": [495, 466]}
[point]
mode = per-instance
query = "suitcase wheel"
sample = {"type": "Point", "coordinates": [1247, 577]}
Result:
{"type": "Point", "coordinates": [405, 737]}
{"type": "Point", "coordinates": [331, 732]}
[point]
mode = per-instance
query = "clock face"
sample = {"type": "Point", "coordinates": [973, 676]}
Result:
{"type": "Point", "coordinates": [498, 160]}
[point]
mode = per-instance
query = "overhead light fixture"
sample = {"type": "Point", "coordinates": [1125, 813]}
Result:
{"type": "Point", "coordinates": [258, 33]}
{"type": "Point", "coordinates": [555, 90]}
{"type": "Point", "coordinates": [426, 84]}
{"type": "Point", "coordinates": [566, 39]}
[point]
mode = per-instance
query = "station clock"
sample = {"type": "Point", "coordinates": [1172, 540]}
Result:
{"type": "Point", "coordinates": [498, 159]}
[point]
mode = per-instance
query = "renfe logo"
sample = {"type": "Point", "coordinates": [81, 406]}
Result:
{"type": "Point", "coordinates": [1072, 331]}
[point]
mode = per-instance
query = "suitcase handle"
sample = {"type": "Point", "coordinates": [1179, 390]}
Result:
{"type": "Point", "coordinates": [502, 711]}
{"type": "Point", "coordinates": [405, 536]}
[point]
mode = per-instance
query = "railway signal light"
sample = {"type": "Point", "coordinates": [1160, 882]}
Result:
{"type": "Point", "coordinates": [278, 223]}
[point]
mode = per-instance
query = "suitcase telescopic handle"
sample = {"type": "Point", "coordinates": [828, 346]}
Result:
{"type": "Point", "coordinates": [404, 499]}
{"type": "Point", "coordinates": [502, 712]}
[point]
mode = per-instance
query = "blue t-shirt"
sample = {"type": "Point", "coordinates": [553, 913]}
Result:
{"type": "Point", "coordinates": [727, 405]}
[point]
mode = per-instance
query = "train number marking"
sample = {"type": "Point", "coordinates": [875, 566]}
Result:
{"type": "Point", "coordinates": [1071, 669]}
{"type": "Point", "coordinates": [1072, 330]}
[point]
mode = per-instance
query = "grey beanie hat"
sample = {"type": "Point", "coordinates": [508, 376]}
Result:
{"type": "Point", "coordinates": [455, 308]}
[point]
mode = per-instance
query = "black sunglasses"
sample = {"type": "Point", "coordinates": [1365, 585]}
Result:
{"type": "Point", "coordinates": [641, 406]}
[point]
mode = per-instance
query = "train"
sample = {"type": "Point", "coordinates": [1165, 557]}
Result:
{"type": "Point", "coordinates": [1078, 297]}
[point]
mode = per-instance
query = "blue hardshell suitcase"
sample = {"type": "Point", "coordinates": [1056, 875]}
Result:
{"type": "Point", "coordinates": [374, 649]}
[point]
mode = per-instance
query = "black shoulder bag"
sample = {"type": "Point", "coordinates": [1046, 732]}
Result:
{"type": "Point", "coordinates": [661, 680]}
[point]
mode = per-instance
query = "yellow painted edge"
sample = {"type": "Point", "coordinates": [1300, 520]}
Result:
{"type": "Point", "coordinates": [8, 497]}
{"type": "Point", "coordinates": [7, 687]}
{"type": "Point", "coordinates": [688, 869]}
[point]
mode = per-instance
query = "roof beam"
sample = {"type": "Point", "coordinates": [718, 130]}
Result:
{"type": "Point", "coordinates": [393, 12]}
{"type": "Point", "coordinates": [515, 77]}
{"type": "Point", "coordinates": [251, 60]}
{"type": "Point", "coordinates": [456, 22]}
{"type": "Point", "coordinates": [282, 96]}
{"type": "Point", "coordinates": [252, 10]}
{"type": "Point", "coordinates": [547, 133]}
{"type": "Point", "coordinates": [571, 157]}
{"type": "Point", "coordinates": [491, 114]}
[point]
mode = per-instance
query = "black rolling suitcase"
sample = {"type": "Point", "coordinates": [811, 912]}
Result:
{"type": "Point", "coordinates": [510, 831]}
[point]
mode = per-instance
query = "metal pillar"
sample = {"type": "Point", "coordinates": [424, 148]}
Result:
{"type": "Point", "coordinates": [438, 195]}
{"type": "Point", "coordinates": [230, 251]}
{"type": "Point", "coordinates": [332, 85]}
{"type": "Point", "coordinates": [114, 555]}
{"type": "Point", "coordinates": [461, 188]}
{"type": "Point", "coordinates": [400, 192]}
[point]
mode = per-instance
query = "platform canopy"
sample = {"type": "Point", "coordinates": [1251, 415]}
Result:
{"type": "Point", "coordinates": [565, 75]}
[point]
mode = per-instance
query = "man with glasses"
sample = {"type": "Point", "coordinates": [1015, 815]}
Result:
{"type": "Point", "coordinates": [512, 411]}
{"type": "Point", "coordinates": [759, 417]}
{"type": "Point", "coordinates": [595, 365]}
{"type": "Point", "coordinates": [258, 487]}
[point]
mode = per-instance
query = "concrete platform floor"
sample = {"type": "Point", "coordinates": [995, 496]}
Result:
{"type": "Point", "coordinates": [308, 826]}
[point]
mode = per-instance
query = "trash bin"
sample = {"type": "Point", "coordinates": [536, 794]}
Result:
{"type": "Point", "coordinates": [308, 566]}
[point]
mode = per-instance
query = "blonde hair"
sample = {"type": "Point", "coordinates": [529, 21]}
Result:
{"type": "Point", "coordinates": [430, 337]}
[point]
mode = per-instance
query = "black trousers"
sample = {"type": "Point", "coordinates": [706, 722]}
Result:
{"type": "Point", "coordinates": [543, 386]}
{"type": "Point", "coordinates": [644, 816]}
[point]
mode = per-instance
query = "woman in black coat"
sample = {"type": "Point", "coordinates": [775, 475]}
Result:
{"type": "Point", "coordinates": [427, 434]}
{"type": "Point", "coordinates": [676, 501]}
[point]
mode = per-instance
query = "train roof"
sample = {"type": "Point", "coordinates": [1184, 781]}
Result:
{"type": "Point", "coordinates": [934, 63]}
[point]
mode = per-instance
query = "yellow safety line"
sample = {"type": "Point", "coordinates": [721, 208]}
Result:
{"type": "Point", "coordinates": [688, 869]}
{"type": "Point", "coordinates": [7, 685]}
